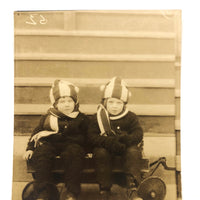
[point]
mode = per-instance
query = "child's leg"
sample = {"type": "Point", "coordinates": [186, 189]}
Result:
{"type": "Point", "coordinates": [132, 166]}
{"type": "Point", "coordinates": [103, 165]}
{"type": "Point", "coordinates": [73, 157]}
{"type": "Point", "coordinates": [132, 159]}
{"type": "Point", "coordinates": [43, 158]}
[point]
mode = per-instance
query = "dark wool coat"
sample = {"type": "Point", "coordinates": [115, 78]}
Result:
{"type": "Point", "coordinates": [71, 130]}
{"type": "Point", "coordinates": [127, 125]}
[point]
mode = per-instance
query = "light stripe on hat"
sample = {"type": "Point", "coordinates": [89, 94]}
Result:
{"type": "Point", "coordinates": [124, 94]}
{"type": "Point", "coordinates": [73, 93]}
{"type": "Point", "coordinates": [54, 92]}
{"type": "Point", "coordinates": [64, 89]}
{"type": "Point", "coordinates": [116, 88]}
{"type": "Point", "coordinates": [109, 89]}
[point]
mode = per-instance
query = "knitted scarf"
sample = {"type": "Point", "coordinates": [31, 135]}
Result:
{"type": "Point", "coordinates": [103, 120]}
{"type": "Point", "coordinates": [51, 123]}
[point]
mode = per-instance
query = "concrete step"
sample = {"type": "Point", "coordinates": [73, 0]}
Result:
{"type": "Point", "coordinates": [93, 95]}
{"type": "Point", "coordinates": [82, 69]}
{"type": "Point", "coordinates": [24, 124]}
{"type": "Point", "coordinates": [93, 45]}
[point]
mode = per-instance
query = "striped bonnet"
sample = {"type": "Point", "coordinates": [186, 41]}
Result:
{"type": "Point", "coordinates": [116, 88]}
{"type": "Point", "coordinates": [61, 88]}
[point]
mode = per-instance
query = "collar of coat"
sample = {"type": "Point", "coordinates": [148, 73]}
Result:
{"type": "Point", "coordinates": [103, 119]}
{"type": "Point", "coordinates": [51, 122]}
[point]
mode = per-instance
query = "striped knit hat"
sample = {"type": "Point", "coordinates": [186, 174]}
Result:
{"type": "Point", "coordinates": [116, 88]}
{"type": "Point", "coordinates": [61, 88]}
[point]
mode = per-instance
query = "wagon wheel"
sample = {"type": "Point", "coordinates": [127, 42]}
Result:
{"type": "Point", "coordinates": [152, 188]}
{"type": "Point", "coordinates": [47, 191]}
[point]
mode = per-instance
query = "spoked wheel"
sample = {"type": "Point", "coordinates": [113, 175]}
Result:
{"type": "Point", "coordinates": [152, 188]}
{"type": "Point", "coordinates": [47, 191]}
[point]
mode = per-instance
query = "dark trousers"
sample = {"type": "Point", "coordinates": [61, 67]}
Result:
{"type": "Point", "coordinates": [72, 156]}
{"type": "Point", "coordinates": [104, 164]}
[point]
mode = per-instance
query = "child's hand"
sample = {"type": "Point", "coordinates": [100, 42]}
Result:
{"type": "Point", "coordinates": [129, 140]}
{"type": "Point", "coordinates": [28, 155]}
{"type": "Point", "coordinates": [118, 148]}
{"type": "Point", "coordinates": [42, 134]}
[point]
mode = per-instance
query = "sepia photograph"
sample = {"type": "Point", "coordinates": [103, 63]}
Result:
{"type": "Point", "coordinates": [97, 99]}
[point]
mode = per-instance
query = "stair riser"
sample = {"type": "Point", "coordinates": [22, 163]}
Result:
{"type": "Point", "coordinates": [24, 124]}
{"type": "Point", "coordinates": [99, 69]}
{"type": "Point", "coordinates": [93, 45]}
{"type": "Point", "coordinates": [93, 95]}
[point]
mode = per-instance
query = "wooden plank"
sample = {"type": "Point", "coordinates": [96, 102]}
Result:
{"type": "Point", "coordinates": [91, 82]}
{"type": "Point", "coordinates": [24, 124]}
{"type": "Point", "coordinates": [164, 144]}
{"type": "Point", "coordinates": [99, 20]}
{"type": "Point", "coordinates": [118, 34]}
{"type": "Point", "coordinates": [133, 12]}
{"type": "Point", "coordinates": [93, 45]}
{"type": "Point", "coordinates": [155, 110]}
{"type": "Point", "coordinates": [157, 124]}
{"type": "Point", "coordinates": [178, 78]}
{"type": "Point", "coordinates": [95, 57]}
{"type": "Point", "coordinates": [178, 108]}
{"type": "Point", "coordinates": [39, 20]}
{"type": "Point", "coordinates": [100, 69]}
{"type": "Point", "coordinates": [177, 93]}
{"type": "Point", "coordinates": [177, 65]}
{"type": "Point", "coordinates": [126, 20]}
{"type": "Point", "coordinates": [177, 125]}
{"type": "Point", "coordinates": [93, 95]}
{"type": "Point", "coordinates": [69, 20]}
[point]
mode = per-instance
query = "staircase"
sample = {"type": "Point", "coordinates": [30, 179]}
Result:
{"type": "Point", "coordinates": [88, 48]}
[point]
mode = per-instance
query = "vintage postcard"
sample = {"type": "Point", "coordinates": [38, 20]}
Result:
{"type": "Point", "coordinates": [91, 60]}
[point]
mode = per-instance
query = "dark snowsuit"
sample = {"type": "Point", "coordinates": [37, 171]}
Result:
{"type": "Point", "coordinates": [68, 143]}
{"type": "Point", "coordinates": [125, 144]}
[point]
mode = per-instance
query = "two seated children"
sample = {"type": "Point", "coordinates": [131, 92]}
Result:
{"type": "Point", "coordinates": [112, 131]}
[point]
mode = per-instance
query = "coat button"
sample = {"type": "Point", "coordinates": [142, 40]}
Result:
{"type": "Point", "coordinates": [118, 127]}
{"type": "Point", "coordinates": [65, 126]}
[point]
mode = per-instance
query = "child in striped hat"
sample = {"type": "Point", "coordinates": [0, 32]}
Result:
{"type": "Point", "coordinates": [60, 132]}
{"type": "Point", "coordinates": [115, 131]}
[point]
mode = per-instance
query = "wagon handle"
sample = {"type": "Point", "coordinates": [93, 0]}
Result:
{"type": "Point", "coordinates": [160, 161]}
